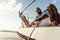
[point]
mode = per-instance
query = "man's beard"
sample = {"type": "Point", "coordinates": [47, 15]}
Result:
{"type": "Point", "coordinates": [40, 13]}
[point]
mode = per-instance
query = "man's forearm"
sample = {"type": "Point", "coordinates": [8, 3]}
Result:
{"type": "Point", "coordinates": [43, 17]}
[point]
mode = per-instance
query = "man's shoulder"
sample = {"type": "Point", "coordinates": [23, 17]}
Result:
{"type": "Point", "coordinates": [45, 12]}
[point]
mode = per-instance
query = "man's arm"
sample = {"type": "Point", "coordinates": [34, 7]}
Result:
{"type": "Point", "coordinates": [40, 19]}
{"type": "Point", "coordinates": [43, 17]}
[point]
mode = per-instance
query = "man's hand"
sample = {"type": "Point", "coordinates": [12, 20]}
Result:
{"type": "Point", "coordinates": [35, 22]}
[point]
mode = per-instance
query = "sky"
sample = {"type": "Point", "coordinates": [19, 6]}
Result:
{"type": "Point", "coordinates": [9, 16]}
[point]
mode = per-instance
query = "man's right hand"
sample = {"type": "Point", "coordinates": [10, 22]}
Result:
{"type": "Point", "coordinates": [35, 22]}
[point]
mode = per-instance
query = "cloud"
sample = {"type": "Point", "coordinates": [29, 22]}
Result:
{"type": "Point", "coordinates": [10, 4]}
{"type": "Point", "coordinates": [9, 14]}
{"type": "Point", "coordinates": [17, 7]}
{"type": "Point", "coordinates": [54, 1]}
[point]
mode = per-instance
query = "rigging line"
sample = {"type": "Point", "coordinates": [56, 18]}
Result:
{"type": "Point", "coordinates": [20, 13]}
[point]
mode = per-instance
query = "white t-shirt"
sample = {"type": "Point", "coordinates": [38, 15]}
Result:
{"type": "Point", "coordinates": [45, 22]}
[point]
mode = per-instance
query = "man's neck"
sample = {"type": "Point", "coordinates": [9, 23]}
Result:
{"type": "Point", "coordinates": [40, 13]}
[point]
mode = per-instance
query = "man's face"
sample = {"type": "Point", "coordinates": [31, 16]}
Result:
{"type": "Point", "coordinates": [38, 10]}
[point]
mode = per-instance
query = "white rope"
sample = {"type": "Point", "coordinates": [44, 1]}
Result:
{"type": "Point", "coordinates": [32, 31]}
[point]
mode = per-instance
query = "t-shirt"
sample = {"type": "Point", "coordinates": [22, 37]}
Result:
{"type": "Point", "coordinates": [42, 13]}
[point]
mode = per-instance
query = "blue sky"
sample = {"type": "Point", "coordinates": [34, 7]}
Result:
{"type": "Point", "coordinates": [38, 3]}
{"type": "Point", "coordinates": [9, 16]}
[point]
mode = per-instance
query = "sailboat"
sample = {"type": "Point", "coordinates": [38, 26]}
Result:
{"type": "Point", "coordinates": [37, 33]}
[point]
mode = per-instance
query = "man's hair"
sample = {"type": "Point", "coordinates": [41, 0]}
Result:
{"type": "Point", "coordinates": [37, 8]}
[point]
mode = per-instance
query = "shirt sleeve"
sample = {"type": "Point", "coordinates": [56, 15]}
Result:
{"type": "Point", "coordinates": [37, 17]}
{"type": "Point", "coordinates": [45, 12]}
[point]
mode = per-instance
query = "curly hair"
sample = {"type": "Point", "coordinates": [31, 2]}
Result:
{"type": "Point", "coordinates": [53, 12]}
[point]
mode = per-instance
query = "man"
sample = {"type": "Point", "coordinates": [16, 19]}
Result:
{"type": "Point", "coordinates": [40, 16]}
{"type": "Point", "coordinates": [49, 12]}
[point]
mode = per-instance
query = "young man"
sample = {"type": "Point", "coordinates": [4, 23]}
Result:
{"type": "Point", "coordinates": [42, 15]}
{"type": "Point", "coordinates": [49, 12]}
